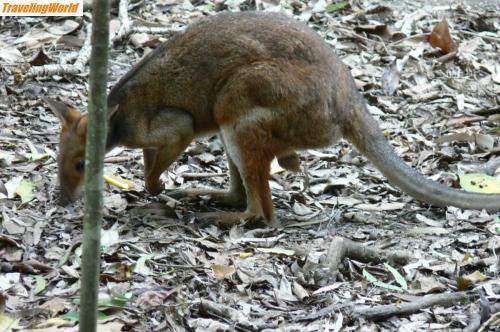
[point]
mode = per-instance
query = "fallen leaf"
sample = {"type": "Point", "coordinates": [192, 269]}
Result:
{"type": "Point", "coordinates": [140, 265]}
{"type": "Point", "coordinates": [118, 181]}
{"type": "Point", "coordinates": [485, 141]}
{"type": "Point", "coordinates": [67, 27]}
{"type": "Point", "coordinates": [277, 251]}
{"type": "Point", "coordinates": [371, 278]}
{"type": "Point", "coordinates": [381, 206]}
{"type": "Point", "coordinates": [7, 323]}
{"type": "Point", "coordinates": [275, 167]}
{"type": "Point", "coordinates": [441, 37]}
{"type": "Point", "coordinates": [110, 237]}
{"type": "Point", "coordinates": [480, 183]}
{"type": "Point", "coordinates": [333, 7]}
{"type": "Point", "coordinates": [8, 280]}
{"type": "Point", "coordinates": [222, 272]}
{"type": "Point", "coordinates": [11, 186]}
{"type": "Point", "coordinates": [40, 284]}
{"type": "Point", "coordinates": [466, 49]}
{"type": "Point", "coordinates": [427, 284]}
{"type": "Point", "coordinates": [427, 231]}
{"type": "Point", "coordinates": [381, 30]}
{"type": "Point", "coordinates": [25, 191]}
{"type": "Point", "coordinates": [56, 305]}
{"type": "Point", "coordinates": [397, 276]}
{"type": "Point", "coordinates": [301, 209]}
{"type": "Point", "coordinates": [40, 59]}
{"type": "Point", "coordinates": [476, 277]}
{"type": "Point", "coordinates": [10, 54]}
{"type": "Point", "coordinates": [390, 78]}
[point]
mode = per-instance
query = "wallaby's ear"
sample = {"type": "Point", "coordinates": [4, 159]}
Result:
{"type": "Point", "coordinates": [81, 128]}
{"type": "Point", "coordinates": [66, 113]}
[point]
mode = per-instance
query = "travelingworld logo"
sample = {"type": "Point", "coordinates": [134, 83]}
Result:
{"type": "Point", "coordinates": [41, 7]}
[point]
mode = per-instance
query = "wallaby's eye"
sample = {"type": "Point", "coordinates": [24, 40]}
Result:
{"type": "Point", "coordinates": [80, 165]}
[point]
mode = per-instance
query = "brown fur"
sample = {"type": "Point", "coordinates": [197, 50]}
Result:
{"type": "Point", "coordinates": [269, 85]}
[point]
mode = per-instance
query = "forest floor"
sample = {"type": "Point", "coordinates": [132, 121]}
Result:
{"type": "Point", "coordinates": [163, 271]}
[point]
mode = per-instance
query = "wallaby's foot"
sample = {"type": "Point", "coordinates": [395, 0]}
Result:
{"type": "Point", "coordinates": [154, 187]}
{"type": "Point", "coordinates": [219, 197]}
{"type": "Point", "coordinates": [229, 219]}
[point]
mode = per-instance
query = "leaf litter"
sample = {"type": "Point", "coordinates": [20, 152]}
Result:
{"type": "Point", "coordinates": [431, 77]}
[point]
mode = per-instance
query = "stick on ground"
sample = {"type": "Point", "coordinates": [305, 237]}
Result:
{"type": "Point", "coordinates": [386, 311]}
{"type": "Point", "coordinates": [341, 248]}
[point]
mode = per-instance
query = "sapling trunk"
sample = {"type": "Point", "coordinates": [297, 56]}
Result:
{"type": "Point", "coordinates": [94, 159]}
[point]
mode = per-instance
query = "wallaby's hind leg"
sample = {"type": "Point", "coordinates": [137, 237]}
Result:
{"type": "Point", "coordinates": [253, 163]}
{"type": "Point", "coordinates": [168, 134]}
{"type": "Point", "coordinates": [234, 197]}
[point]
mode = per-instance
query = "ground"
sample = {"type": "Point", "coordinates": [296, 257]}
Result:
{"type": "Point", "coordinates": [162, 270]}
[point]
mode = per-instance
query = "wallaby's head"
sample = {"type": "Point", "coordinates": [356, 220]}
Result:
{"type": "Point", "coordinates": [71, 158]}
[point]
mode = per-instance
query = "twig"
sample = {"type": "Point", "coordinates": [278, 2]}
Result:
{"type": "Point", "coordinates": [192, 176]}
{"type": "Point", "coordinates": [59, 69]}
{"type": "Point", "coordinates": [480, 35]}
{"type": "Point", "coordinates": [358, 36]}
{"type": "Point", "coordinates": [487, 111]}
{"type": "Point", "coordinates": [447, 57]}
{"type": "Point", "coordinates": [222, 311]}
{"type": "Point", "coordinates": [119, 159]}
{"type": "Point", "coordinates": [386, 311]}
{"type": "Point", "coordinates": [78, 67]}
{"type": "Point", "coordinates": [487, 168]}
{"type": "Point", "coordinates": [474, 323]}
{"type": "Point", "coordinates": [422, 37]}
{"type": "Point", "coordinates": [341, 247]}
{"type": "Point", "coordinates": [125, 23]}
{"type": "Point", "coordinates": [126, 27]}
{"type": "Point", "coordinates": [494, 319]}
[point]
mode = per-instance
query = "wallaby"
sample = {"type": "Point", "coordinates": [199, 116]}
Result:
{"type": "Point", "coordinates": [269, 85]}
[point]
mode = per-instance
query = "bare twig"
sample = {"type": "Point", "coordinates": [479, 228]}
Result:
{"type": "Point", "coordinates": [341, 247]}
{"type": "Point", "coordinates": [447, 57]}
{"type": "Point", "coordinates": [490, 38]}
{"type": "Point", "coordinates": [59, 69]}
{"type": "Point", "coordinates": [125, 22]}
{"type": "Point", "coordinates": [487, 111]}
{"type": "Point", "coordinates": [493, 320]}
{"type": "Point", "coordinates": [487, 168]}
{"type": "Point", "coordinates": [474, 323]}
{"type": "Point", "coordinates": [386, 311]}
{"type": "Point", "coordinates": [222, 311]}
{"type": "Point", "coordinates": [120, 159]}
{"type": "Point", "coordinates": [421, 37]}
{"type": "Point", "coordinates": [78, 67]}
{"type": "Point", "coordinates": [126, 27]}
{"type": "Point", "coordinates": [192, 176]}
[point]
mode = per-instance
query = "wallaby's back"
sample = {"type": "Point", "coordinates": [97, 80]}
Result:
{"type": "Point", "coordinates": [190, 69]}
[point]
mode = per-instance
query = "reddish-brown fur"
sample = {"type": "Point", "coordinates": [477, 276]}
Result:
{"type": "Point", "coordinates": [269, 85]}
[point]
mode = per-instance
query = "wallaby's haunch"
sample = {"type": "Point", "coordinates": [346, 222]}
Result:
{"type": "Point", "coordinates": [269, 85]}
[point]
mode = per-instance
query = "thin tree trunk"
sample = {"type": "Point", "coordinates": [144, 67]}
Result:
{"type": "Point", "coordinates": [95, 149]}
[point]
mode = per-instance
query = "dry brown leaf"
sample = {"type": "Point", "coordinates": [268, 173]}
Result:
{"type": "Point", "coordinates": [441, 37]}
{"type": "Point", "coordinates": [222, 272]}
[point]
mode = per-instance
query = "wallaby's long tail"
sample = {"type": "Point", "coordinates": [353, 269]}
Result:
{"type": "Point", "coordinates": [363, 132]}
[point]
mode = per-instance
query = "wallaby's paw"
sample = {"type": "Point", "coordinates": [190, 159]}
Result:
{"type": "Point", "coordinates": [219, 197]}
{"type": "Point", "coordinates": [154, 187]}
{"type": "Point", "coordinates": [229, 219]}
